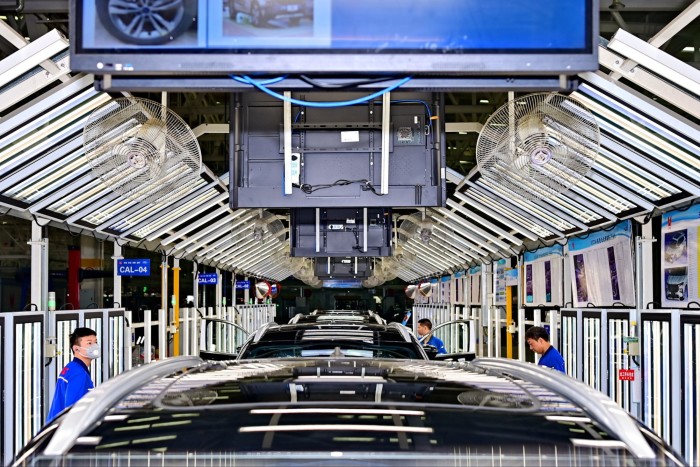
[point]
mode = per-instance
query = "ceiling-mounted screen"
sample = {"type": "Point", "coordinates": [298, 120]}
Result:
{"type": "Point", "coordinates": [450, 37]}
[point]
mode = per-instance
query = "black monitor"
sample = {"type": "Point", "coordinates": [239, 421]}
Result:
{"type": "Point", "coordinates": [340, 232]}
{"type": "Point", "coordinates": [336, 157]}
{"type": "Point", "coordinates": [438, 37]}
{"type": "Point", "coordinates": [343, 267]}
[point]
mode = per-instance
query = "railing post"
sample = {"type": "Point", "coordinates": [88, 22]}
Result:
{"type": "Point", "coordinates": [146, 336]}
{"type": "Point", "coordinates": [128, 340]}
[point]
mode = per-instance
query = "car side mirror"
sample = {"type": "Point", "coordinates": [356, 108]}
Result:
{"type": "Point", "coordinates": [431, 350]}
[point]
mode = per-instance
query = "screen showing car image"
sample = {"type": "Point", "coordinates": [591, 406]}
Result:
{"type": "Point", "coordinates": [529, 298]}
{"type": "Point", "coordinates": [453, 32]}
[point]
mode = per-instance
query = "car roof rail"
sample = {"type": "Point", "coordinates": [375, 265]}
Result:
{"type": "Point", "coordinates": [92, 406]}
{"type": "Point", "coordinates": [260, 332]}
{"type": "Point", "coordinates": [611, 416]}
{"type": "Point", "coordinates": [295, 318]}
{"type": "Point", "coordinates": [403, 330]}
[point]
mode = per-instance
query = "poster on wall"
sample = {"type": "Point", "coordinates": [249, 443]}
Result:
{"type": "Point", "coordinates": [680, 261]}
{"type": "Point", "coordinates": [475, 285]}
{"type": "Point", "coordinates": [543, 276]}
{"type": "Point", "coordinates": [601, 267]}
{"type": "Point", "coordinates": [500, 282]}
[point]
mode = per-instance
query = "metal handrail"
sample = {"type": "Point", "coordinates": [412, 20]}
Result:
{"type": "Point", "coordinates": [203, 330]}
{"type": "Point", "coordinates": [225, 321]}
{"type": "Point", "coordinates": [88, 410]}
{"type": "Point", "coordinates": [611, 416]}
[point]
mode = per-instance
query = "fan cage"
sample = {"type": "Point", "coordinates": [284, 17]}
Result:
{"type": "Point", "coordinates": [538, 145]}
{"type": "Point", "coordinates": [141, 149]}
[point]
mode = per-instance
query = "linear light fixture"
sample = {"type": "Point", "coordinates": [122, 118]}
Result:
{"type": "Point", "coordinates": [31, 55]}
{"type": "Point", "coordinates": [330, 427]}
{"type": "Point", "coordinates": [657, 60]}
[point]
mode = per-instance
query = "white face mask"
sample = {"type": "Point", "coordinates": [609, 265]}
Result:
{"type": "Point", "coordinates": [91, 351]}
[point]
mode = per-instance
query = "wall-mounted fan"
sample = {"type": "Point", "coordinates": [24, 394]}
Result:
{"type": "Point", "coordinates": [268, 225]}
{"type": "Point", "coordinates": [538, 146]}
{"type": "Point", "coordinates": [416, 225]}
{"type": "Point", "coordinates": [141, 149]}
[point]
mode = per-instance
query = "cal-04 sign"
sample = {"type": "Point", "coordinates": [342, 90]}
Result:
{"type": "Point", "coordinates": [133, 267]}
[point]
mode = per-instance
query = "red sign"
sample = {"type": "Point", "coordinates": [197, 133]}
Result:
{"type": "Point", "coordinates": [625, 375]}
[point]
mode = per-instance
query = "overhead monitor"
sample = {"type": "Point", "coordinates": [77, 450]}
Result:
{"type": "Point", "coordinates": [342, 267]}
{"type": "Point", "coordinates": [338, 156]}
{"type": "Point", "coordinates": [341, 232]}
{"type": "Point", "coordinates": [438, 37]}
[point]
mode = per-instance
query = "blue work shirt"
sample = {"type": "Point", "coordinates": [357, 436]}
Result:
{"type": "Point", "coordinates": [72, 384]}
{"type": "Point", "coordinates": [437, 343]}
{"type": "Point", "coordinates": [552, 359]}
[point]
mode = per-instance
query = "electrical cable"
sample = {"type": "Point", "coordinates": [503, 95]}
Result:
{"type": "Point", "coordinates": [360, 100]}
{"type": "Point", "coordinates": [308, 189]}
{"type": "Point", "coordinates": [264, 83]}
{"type": "Point", "coordinates": [318, 84]}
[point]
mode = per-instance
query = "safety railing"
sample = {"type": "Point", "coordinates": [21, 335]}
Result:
{"type": "Point", "coordinates": [458, 334]}
{"type": "Point", "coordinates": [653, 373]}
{"type": "Point", "coordinates": [35, 347]}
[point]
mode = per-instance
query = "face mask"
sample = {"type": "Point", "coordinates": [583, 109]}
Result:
{"type": "Point", "coordinates": [91, 351]}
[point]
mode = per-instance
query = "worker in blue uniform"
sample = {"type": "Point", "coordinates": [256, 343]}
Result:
{"type": "Point", "coordinates": [425, 335]}
{"type": "Point", "coordinates": [74, 381]}
{"type": "Point", "coordinates": [538, 339]}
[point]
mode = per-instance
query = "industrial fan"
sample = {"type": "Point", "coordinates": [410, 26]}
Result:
{"type": "Point", "coordinates": [268, 225]}
{"type": "Point", "coordinates": [416, 225]}
{"type": "Point", "coordinates": [538, 145]}
{"type": "Point", "coordinates": [141, 150]}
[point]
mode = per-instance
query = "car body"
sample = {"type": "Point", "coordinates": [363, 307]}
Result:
{"type": "Point", "coordinates": [263, 11]}
{"type": "Point", "coordinates": [333, 339]}
{"type": "Point", "coordinates": [345, 412]}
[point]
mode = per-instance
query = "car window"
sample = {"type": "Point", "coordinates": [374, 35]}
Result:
{"type": "Point", "coordinates": [330, 349]}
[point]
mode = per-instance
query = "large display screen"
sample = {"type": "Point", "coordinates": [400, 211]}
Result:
{"type": "Point", "coordinates": [452, 37]}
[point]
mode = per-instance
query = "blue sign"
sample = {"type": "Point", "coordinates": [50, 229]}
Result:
{"type": "Point", "coordinates": [242, 285]}
{"type": "Point", "coordinates": [133, 267]}
{"type": "Point", "coordinates": [208, 278]}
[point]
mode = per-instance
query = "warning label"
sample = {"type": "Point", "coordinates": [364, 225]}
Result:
{"type": "Point", "coordinates": [625, 375]}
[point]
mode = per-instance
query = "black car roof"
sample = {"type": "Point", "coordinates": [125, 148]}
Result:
{"type": "Point", "coordinates": [306, 405]}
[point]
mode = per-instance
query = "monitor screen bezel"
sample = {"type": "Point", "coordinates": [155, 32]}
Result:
{"type": "Point", "coordinates": [160, 60]}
